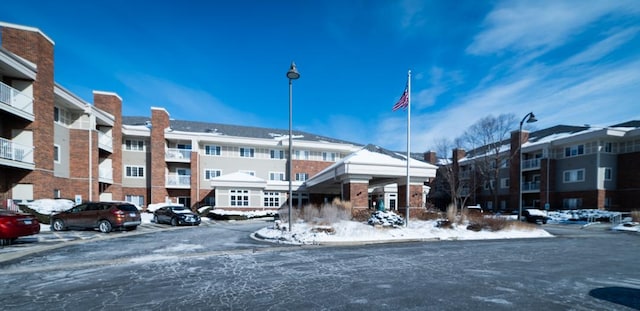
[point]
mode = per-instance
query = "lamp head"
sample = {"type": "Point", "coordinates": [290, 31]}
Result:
{"type": "Point", "coordinates": [532, 118]}
{"type": "Point", "coordinates": [293, 74]}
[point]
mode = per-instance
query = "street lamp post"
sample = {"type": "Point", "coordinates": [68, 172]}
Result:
{"type": "Point", "coordinates": [530, 118]}
{"type": "Point", "coordinates": [292, 74]}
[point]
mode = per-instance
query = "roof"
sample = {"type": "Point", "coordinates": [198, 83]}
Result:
{"type": "Point", "coordinates": [234, 130]}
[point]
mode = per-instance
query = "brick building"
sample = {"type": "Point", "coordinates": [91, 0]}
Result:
{"type": "Point", "coordinates": [53, 144]}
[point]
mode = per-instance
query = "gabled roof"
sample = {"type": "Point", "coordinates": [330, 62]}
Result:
{"type": "Point", "coordinates": [235, 130]}
{"type": "Point", "coordinates": [238, 179]}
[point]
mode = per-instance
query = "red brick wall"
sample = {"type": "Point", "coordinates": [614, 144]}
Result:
{"type": "Point", "coordinates": [159, 122]}
{"type": "Point", "coordinates": [36, 48]}
{"type": "Point", "coordinates": [306, 166]}
{"type": "Point", "coordinates": [357, 194]}
{"type": "Point", "coordinates": [113, 105]}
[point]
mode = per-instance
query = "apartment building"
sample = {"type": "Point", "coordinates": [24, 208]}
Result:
{"type": "Point", "coordinates": [54, 144]}
{"type": "Point", "coordinates": [561, 167]}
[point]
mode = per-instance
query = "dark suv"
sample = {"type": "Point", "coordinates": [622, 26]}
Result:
{"type": "Point", "coordinates": [105, 216]}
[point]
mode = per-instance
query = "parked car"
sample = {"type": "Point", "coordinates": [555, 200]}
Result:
{"type": "Point", "coordinates": [105, 216]}
{"type": "Point", "coordinates": [535, 216]}
{"type": "Point", "coordinates": [14, 225]}
{"type": "Point", "coordinates": [175, 215]}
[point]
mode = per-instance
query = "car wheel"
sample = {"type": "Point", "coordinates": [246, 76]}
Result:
{"type": "Point", "coordinates": [174, 221]}
{"type": "Point", "coordinates": [104, 226]}
{"type": "Point", "coordinates": [155, 219]}
{"type": "Point", "coordinates": [58, 225]}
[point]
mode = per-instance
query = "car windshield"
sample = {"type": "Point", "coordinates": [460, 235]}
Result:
{"type": "Point", "coordinates": [178, 208]}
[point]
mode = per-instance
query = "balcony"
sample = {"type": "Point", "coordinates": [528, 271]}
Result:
{"type": "Point", "coordinates": [14, 102]}
{"type": "Point", "coordinates": [531, 164]}
{"type": "Point", "coordinates": [105, 142]}
{"type": "Point", "coordinates": [532, 186]}
{"type": "Point", "coordinates": [178, 155]}
{"type": "Point", "coordinates": [105, 173]}
{"type": "Point", "coordinates": [178, 181]}
{"type": "Point", "coordinates": [16, 155]}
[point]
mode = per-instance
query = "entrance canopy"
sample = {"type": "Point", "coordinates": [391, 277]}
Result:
{"type": "Point", "coordinates": [371, 164]}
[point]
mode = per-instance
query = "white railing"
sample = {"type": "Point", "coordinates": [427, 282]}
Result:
{"type": "Point", "coordinates": [16, 99]}
{"type": "Point", "coordinates": [531, 186]}
{"type": "Point", "coordinates": [16, 152]}
{"type": "Point", "coordinates": [105, 141]}
{"type": "Point", "coordinates": [105, 172]}
{"type": "Point", "coordinates": [531, 164]}
{"type": "Point", "coordinates": [179, 180]}
{"type": "Point", "coordinates": [174, 154]}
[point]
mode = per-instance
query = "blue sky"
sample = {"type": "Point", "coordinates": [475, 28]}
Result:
{"type": "Point", "coordinates": [569, 62]}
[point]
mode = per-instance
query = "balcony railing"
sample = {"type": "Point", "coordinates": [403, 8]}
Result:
{"type": "Point", "coordinates": [105, 173]}
{"type": "Point", "coordinates": [531, 186]}
{"type": "Point", "coordinates": [16, 99]}
{"type": "Point", "coordinates": [105, 141]}
{"type": "Point", "coordinates": [16, 152]}
{"type": "Point", "coordinates": [180, 181]}
{"type": "Point", "coordinates": [531, 164]}
{"type": "Point", "coordinates": [178, 155]}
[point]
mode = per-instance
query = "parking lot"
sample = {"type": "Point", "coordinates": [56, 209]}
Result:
{"type": "Point", "coordinates": [48, 240]}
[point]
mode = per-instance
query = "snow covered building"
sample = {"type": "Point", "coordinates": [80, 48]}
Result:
{"type": "Point", "coordinates": [562, 167]}
{"type": "Point", "coordinates": [53, 144]}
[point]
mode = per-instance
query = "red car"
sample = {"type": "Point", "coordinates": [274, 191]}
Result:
{"type": "Point", "coordinates": [14, 225]}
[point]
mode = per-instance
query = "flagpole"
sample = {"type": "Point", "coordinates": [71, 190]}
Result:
{"type": "Point", "coordinates": [408, 143]}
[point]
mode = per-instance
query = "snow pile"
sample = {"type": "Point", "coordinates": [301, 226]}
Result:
{"type": "Point", "coordinates": [631, 226]}
{"type": "Point", "coordinates": [359, 232]}
{"type": "Point", "coordinates": [50, 206]}
{"type": "Point", "coordinates": [385, 219]}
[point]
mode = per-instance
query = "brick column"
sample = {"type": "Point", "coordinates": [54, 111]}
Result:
{"type": "Point", "coordinates": [157, 171]}
{"type": "Point", "coordinates": [36, 47]}
{"type": "Point", "coordinates": [514, 168]}
{"type": "Point", "coordinates": [356, 192]}
{"type": "Point", "coordinates": [112, 103]}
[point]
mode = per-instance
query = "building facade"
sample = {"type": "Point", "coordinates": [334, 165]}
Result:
{"type": "Point", "coordinates": [562, 167]}
{"type": "Point", "coordinates": [53, 144]}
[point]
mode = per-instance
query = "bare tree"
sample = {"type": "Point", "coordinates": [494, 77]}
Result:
{"type": "Point", "coordinates": [448, 181]}
{"type": "Point", "coordinates": [488, 141]}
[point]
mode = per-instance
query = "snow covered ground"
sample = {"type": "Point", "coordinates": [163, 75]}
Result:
{"type": "Point", "coordinates": [360, 232]}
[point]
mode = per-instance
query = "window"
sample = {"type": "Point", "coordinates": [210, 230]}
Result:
{"type": "Point", "coordinates": [247, 152]}
{"type": "Point", "coordinates": [272, 199]}
{"type": "Point", "coordinates": [572, 203]}
{"type": "Point", "coordinates": [504, 183]}
{"type": "Point", "coordinates": [607, 173]}
{"type": "Point", "coordinates": [301, 155]}
{"type": "Point", "coordinates": [573, 176]}
{"type": "Point", "coordinates": [608, 147]}
{"type": "Point", "coordinates": [57, 193]}
{"type": "Point", "coordinates": [134, 199]}
{"type": "Point", "coordinates": [56, 153]}
{"type": "Point", "coordinates": [329, 156]}
{"type": "Point", "coordinates": [212, 150]}
{"type": "Point", "coordinates": [276, 176]}
{"type": "Point", "coordinates": [134, 145]}
{"type": "Point", "coordinates": [134, 171]}
{"type": "Point", "coordinates": [302, 176]}
{"type": "Point", "coordinates": [183, 146]}
{"type": "Point", "coordinates": [491, 184]}
{"type": "Point", "coordinates": [277, 154]}
{"type": "Point", "coordinates": [62, 116]}
{"type": "Point", "coordinates": [211, 173]}
{"type": "Point", "coordinates": [239, 197]}
{"type": "Point", "coordinates": [573, 151]}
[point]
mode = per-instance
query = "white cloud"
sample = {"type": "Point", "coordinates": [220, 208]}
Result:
{"type": "Point", "coordinates": [604, 47]}
{"type": "Point", "coordinates": [527, 26]}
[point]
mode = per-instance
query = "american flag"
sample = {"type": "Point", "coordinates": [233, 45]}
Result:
{"type": "Point", "coordinates": [403, 102]}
